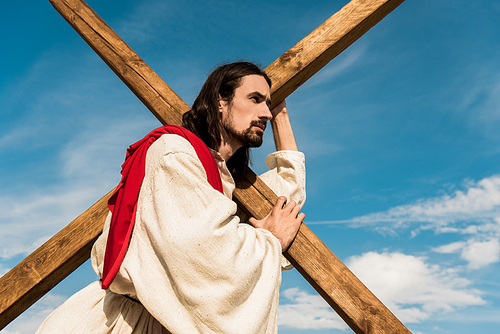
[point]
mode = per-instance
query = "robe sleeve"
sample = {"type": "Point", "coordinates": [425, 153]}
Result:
{"type": "Point", "coordinates": [190, 261]}
{"type": "Point", "coordinates": [287, 175]}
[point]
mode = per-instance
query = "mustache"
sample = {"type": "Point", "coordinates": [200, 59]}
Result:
{"type": "Point", "coordinates": [259, 122]}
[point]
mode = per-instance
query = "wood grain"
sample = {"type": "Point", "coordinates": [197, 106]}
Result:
{"type": "Point", "coordinates": [362, 311]}
{"type": "Point", "coordinates": [45, 267]}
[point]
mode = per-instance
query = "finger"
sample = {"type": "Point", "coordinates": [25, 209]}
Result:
{"type": "Point", "coordinates": [291, 205]}
{"type": "Point", "coordinates": [295, 211]}
{"type": "Point", "coordinates": [280, 203]}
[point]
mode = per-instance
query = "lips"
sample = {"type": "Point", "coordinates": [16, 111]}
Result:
{"type": "Point", "coordinates": [259, 124]}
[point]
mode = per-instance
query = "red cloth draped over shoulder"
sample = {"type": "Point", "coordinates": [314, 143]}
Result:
{"type": "Point", "coordinates": [123, 202]}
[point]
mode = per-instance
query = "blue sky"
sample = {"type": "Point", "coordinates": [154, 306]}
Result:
{"type": "Point", "coordinates": [400, 134]}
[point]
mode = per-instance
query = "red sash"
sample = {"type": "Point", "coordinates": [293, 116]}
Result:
{"type": "Point", "coordinates": [123, 202]}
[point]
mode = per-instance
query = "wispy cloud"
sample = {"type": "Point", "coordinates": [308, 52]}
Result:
{"type": "Point", "coordinates": [97, 151]}
{"type": "Point", "coordinates": [30, 320]}
{"type": "Point", "coordinates": [412, 288]}
{"type": "Point", "coordinates": [82, 147]}
{"type": "Point", "coordinates": [473, 210]}
{"type": "Point", "coordinates": [144, 21]}
{"type": "Point", "coordinates": [30, 220]}
{"type": "Point", "coordinates": [90, 165]}
{"type": "Point", "coordinates": [478, 202]}
{"type": "Point", "coordinates": [305, 311]}
{"type": "Point", "coordinates": [475, 92]}
{"type": "Point", "coordinates": [344, 62]}
{"type": "Point", "coordinates": [480, 85]}
{"type": "Point", "coordinates": [3, 270]}
{"type": "Point", "coordinates": [14, 138]}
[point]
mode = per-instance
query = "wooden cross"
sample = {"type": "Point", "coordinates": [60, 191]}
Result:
{"type": "Point", "coordinates": [67, 250]}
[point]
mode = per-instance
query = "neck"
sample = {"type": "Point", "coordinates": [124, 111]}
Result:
{"type": "Point", "coordinates": [228, 147]}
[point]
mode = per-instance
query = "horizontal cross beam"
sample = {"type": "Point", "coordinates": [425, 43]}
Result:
{"type": "Point", "coordinates": [63, 253]}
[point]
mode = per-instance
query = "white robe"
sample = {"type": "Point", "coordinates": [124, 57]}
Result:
{"type": "Point", "coordinates": [194, 267]}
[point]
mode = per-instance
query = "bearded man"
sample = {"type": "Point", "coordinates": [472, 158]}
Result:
{"type": "Point", "coordinates": [175, 256]}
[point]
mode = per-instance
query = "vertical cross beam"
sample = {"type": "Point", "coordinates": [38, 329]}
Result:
{"type": "Point", "coordinates": [361, 310]}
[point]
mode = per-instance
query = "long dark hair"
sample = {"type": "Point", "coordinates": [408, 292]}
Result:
{"type": "Point", "coordinates": [204, 118]}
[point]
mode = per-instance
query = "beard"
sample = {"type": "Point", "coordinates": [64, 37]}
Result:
{"type": "Point", "coordinates": [248, 137]}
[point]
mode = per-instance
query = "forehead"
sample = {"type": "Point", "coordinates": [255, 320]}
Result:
{"type": "Point", "coordinates": [254, 83]}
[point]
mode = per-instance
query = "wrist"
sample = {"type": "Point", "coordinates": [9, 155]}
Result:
{"type": "Point", "coordinates": [280, 117]}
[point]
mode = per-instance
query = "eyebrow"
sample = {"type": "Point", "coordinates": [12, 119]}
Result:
{"type": "Point", "coordinates": [262, 97]}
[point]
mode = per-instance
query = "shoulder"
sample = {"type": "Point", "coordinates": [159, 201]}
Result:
{"type": "Point", "coordinates": [174, 154]}
{"type": "Point", "coordinates": [169, 144]}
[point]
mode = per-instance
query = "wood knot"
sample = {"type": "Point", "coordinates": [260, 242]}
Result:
{"type": "Point", "coordinates": [28, 266]}
{"type": "Point", "coordinates": [373, 310]}
{"type": "Point", "coordinates": [287, 56]}
{"type": "Point", "coordinates": [136, 60]}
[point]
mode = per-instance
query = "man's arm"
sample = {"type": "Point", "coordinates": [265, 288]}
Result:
{"type": "Point", "coordinates": [282, 129]}
{"type": "Point", "coordinates": [285, 218]}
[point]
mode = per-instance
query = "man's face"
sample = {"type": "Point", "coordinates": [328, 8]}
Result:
{"type": "Point", "coordinates": [245, 118]}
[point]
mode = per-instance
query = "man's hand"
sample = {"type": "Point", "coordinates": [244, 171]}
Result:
{"type": "Point", "coordinates": [279, 108]}
{"type": "Point", "coordinates": [282, 129]}
{"type": "Point", "coordinates": [283, 221]}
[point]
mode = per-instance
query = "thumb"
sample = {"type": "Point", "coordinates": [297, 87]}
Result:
{"type": "Point", "coordinates": [256, 222]}
{"type": "Point", "coordinates": [252, 221]}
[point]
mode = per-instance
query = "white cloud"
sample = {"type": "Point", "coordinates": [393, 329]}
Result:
{"type": "Point", "coordinates": [481, 253]}
{"type": "Point", "coordinates": [478, 253]}
{"type": "Point", "coordinates": [413, 289]}
{"type": "Point", "coordinates": [409, 286]}
{"type": "Point", "coordinates": [307, 312]}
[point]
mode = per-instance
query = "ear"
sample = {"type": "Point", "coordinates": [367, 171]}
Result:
{"type": "Point", "coordinates": [221, 103]}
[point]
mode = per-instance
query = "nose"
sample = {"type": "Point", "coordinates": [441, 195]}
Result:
{"type": "Point", "coordinates": [265, 113]}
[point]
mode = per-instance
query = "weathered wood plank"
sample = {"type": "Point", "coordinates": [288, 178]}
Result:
{"type": "Point", "coordinates": [359, 308]}
{"type": "Point", "coordinates": [362, 311]}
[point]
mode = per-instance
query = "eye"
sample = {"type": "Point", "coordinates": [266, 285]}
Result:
{"type": "Point", "coordinates": [255, 98]}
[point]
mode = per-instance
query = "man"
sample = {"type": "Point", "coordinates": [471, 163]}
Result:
{"type": "Point", "coordinates": [190, 264]}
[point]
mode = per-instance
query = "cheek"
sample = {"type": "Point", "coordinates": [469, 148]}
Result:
{"type": "Point", "coordinates": [241, 118]}
{"type": "Point", "coordinates": [226, 115]}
